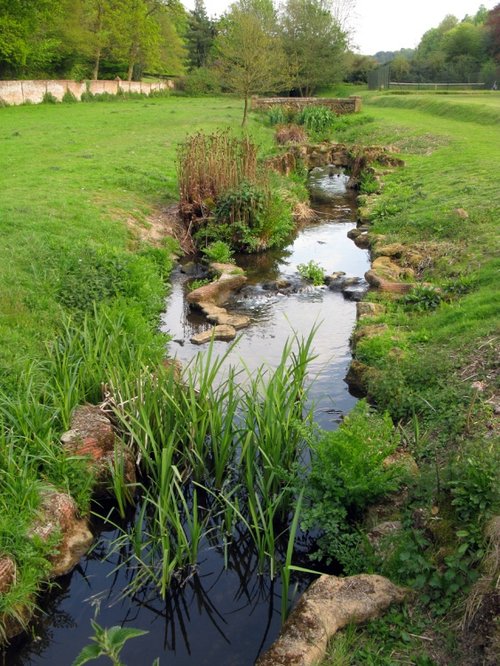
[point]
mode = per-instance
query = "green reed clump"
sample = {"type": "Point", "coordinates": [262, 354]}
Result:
{"type": "Point", "coordinates": [318, 121]}
{"type": "Point", "coordinates": [219, 453]}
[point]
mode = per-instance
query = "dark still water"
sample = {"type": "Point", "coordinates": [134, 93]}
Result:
{"type": "Point", "coordinates": [225, 613]}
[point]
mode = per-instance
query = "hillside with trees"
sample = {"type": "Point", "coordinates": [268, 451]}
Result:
{"type": "Point", "coordinates": [455, 51]}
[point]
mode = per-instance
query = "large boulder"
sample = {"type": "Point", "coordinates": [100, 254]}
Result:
{"type": "Point", "coordinates": [58, 515]}
{"type": "Point", "coordinates": [92, 436]}
{"type": "Point", "coordinates": [223, 332]}
{"type": "Point", "coordinates": [366, 310]}
{"type": "Point", "coordinates": [328, 605]}
{"type": "Point", "coordinates": [91, 433]}
{"type": "Point", "coordinates": [230, 279]}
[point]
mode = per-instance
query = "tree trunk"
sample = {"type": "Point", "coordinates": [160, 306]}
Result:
{"type": "Point", "coordinates": [245, 112]}
{"type": "Point", "coordinates": [95, 73]}
{"type": "Point", "coordinates": [130, 71]}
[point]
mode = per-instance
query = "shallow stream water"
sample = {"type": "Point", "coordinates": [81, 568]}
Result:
{"type": "Point", "coordinates": [220, 616]}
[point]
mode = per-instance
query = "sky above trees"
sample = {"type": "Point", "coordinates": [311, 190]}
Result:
{"type": "Point", "coordinates": [387, 25]}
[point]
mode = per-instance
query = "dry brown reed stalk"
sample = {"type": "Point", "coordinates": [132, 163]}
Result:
{"type": "Point", "coordinates": [489, 583]}
{"type": "Point", "coordinates": [208, 166]}
{"type": "Point", "coordinates": [290, 134]}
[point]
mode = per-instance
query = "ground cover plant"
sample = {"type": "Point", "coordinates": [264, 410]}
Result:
{"type": "Point", "coordinates": [434, 368]}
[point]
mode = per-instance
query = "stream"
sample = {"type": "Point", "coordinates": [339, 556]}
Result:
{"type": "Point", "coordinates": [220, 615]}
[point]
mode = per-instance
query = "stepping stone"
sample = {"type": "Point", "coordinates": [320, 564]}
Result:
{"type": "Point", "coordinates": [222, 332]}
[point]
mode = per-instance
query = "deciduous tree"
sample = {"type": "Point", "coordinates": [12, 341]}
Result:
{"type": "Point", "coordinates": [314, 43]}
{"type": "Point", "coordinates": [249, 55]}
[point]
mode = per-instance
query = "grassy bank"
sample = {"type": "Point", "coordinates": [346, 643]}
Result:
{"type": "Point", "coordinates": [81, 283]}
{"type": "Point", "coordinates": [434, 368]}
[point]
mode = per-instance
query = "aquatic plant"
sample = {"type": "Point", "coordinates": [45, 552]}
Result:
{"type": "Point", "coordinates": [219, 455]}
{"type": "Point", "coordinates": [313, 272]}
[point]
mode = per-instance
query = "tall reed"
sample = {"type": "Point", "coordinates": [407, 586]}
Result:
{"type": "Point", "coordinates": [210, 164]}
{"type": "Point", "coordinates": [219, 454]}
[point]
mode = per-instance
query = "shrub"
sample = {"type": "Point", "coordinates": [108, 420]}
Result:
{"type": "Point", "coordinates": [160, 93]}
{"type": "Point", "coordinates": [69, 97]}
{"type": "Point", "coordinates": [368, 184]}
{"type": "Point", "coordinates": [251, 218]}
{"type": "Point", "coordinates": [276, 115]}
{"type": "Point", "coordinates": [290, 134]}
{"type": "Point", "coordinates": [49, 98]}
{"type": "Point", "coordinates": [87, 96]}
{"type": "Point", "coordinates": [219, 252]}
{"type": "Point", "coordinates": [348, 472]}
{"type": "Point", "coordinates": [423, 298]}
{"type": "Point", "coordinates": [474, 485]}
{"type": "Point", "coordinates": [201, 81]}
{"type": "Point", "coordinates": [312, 272]}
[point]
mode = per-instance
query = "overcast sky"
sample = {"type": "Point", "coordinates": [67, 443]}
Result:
{"type": "Point", "coordinates": [387, 25]}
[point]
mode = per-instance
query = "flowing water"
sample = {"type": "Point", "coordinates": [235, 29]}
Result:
{"type": "Point", "coordinates": [221, 615]}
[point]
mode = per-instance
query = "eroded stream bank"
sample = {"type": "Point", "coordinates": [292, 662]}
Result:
{"type": "Point", "coordinates": [225, 613]}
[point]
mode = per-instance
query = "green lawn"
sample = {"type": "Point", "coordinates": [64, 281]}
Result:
{"type": "Point", "coordinates": [74, 177]}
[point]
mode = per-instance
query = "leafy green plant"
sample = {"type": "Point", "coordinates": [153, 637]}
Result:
{"type": "Point", "coordinates": [318, 120]}
{"type": "Point", "coordinates": [368, 184]}
{"type": "Point", "coordinates": [276, 115]}
{"type": "Point", "coordinates": [423, 298]}
{"type": "Point", "coordinates": [196, 284]}
{"type": "Point", "coordinates": [252, 218]}
{"type": "Point", "coordinates": [69, 97]}
{"type": "Point", "coordinates": [348, 472]}
{"type": "Point", "coordinates": [49, 98]}
{"type": "Point", "coordinates": [474, 484]}
{"type": "Point", "coordinates": [312, 272]}
{"type": "Point", "coordinates": [107, 643]}
{"type": "Point", "coordinates": [218, 252]}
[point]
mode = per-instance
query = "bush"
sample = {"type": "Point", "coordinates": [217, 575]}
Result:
{"type": "Point", "coordinates": [219, 252]}
{"type": "Point", "coordinates": [210, 165]}
{"type": "Point", "coordinates": [423, 298]}
{"type": "Point", "coordinates": [368, 184]}
{"type": "Point", "coordinates": [474, 484]}
{"type": "Point", "coordinates": [201, 81]}
{"type": "Point", "coordinates": [69, 97]}
{"type": "Point", "coordinates": [89, 276]}
{"type": "Point", "coordinates": [276, 115]}
{"type": "Point", "coordinates": [49, 98]}
{"type": "Point", "coordinates": [312, 272]}
{"type": "Point", "coordinates": [251, 218]}
{"type": "Point", "coordinates": [347, 474]}
{"type": "Point", "coordinates": [87, 96]}
{"type": "Point", "coordinates": [3, 103]}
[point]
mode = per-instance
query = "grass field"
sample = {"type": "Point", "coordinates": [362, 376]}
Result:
{"type": "Point", "coordinates": [78, 177]}
{"type": "Point", "coordinates": [80, 293]}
